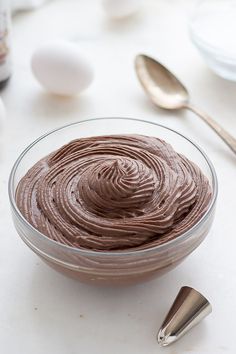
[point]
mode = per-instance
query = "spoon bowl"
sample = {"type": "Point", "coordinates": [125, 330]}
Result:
{"type": "Point", "coordinates": [164, 89]}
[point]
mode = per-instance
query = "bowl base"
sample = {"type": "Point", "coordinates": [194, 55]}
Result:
{"type": "Point", "coordinates": [112, 280]}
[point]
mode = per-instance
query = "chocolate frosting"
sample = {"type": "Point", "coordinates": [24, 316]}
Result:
{"type": "Point", "coordinates": [113, 193]}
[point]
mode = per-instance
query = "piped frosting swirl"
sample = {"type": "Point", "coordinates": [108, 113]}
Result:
{"type": "Point", "coordinates": [113, 193]}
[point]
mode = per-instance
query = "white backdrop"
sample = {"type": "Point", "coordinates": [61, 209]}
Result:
{"type": "Point", "coordinates": [42, 312]}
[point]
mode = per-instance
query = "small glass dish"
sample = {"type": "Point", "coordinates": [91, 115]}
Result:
{"type": "Point", "coordinates": [113, 267]}
{"type": "Point", "coordinates": [212, 29]}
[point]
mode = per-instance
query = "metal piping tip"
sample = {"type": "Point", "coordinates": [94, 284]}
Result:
{"type": "Point", "coordinates": [164, 339]}
{"type": "Point", "coordinates": [188, 309]}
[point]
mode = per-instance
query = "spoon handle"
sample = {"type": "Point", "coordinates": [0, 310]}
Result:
{"type": "Point", "coordinates": [223, 134]}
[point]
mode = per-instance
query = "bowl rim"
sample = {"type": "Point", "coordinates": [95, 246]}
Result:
{"type": "Point", "coordinates": [203, 45]}
{"type": "Point", "coordinates": [201, 42]}
{"type": "Point", "coordinates": [114, 253]}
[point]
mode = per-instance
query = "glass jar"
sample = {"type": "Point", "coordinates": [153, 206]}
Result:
{"type": "Point", "coordinates": [5, 51]}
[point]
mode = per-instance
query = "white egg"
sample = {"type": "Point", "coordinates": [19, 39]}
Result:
{"type": "Point", "coordinates": [2, 115]}
{"type": "Point", "coordinates": [121, 8]}
{"type": "Point", "coordinates": [61, 68]}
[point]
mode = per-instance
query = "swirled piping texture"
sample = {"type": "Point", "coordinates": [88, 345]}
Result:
{"type": "Point", "coordinates": [113, 193]}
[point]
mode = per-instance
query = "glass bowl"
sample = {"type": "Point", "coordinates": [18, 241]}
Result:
{"type": "Point", "coordinates": [212, 30]}
{"type": "Point", "coordinates": [113, 267]}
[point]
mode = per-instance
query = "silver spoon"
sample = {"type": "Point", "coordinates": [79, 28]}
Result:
{"type": "Point", "coordinates": [167, 92]}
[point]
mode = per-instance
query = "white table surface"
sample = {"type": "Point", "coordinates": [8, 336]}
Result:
{"type": "Point", "coordinates": [41, 311]}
